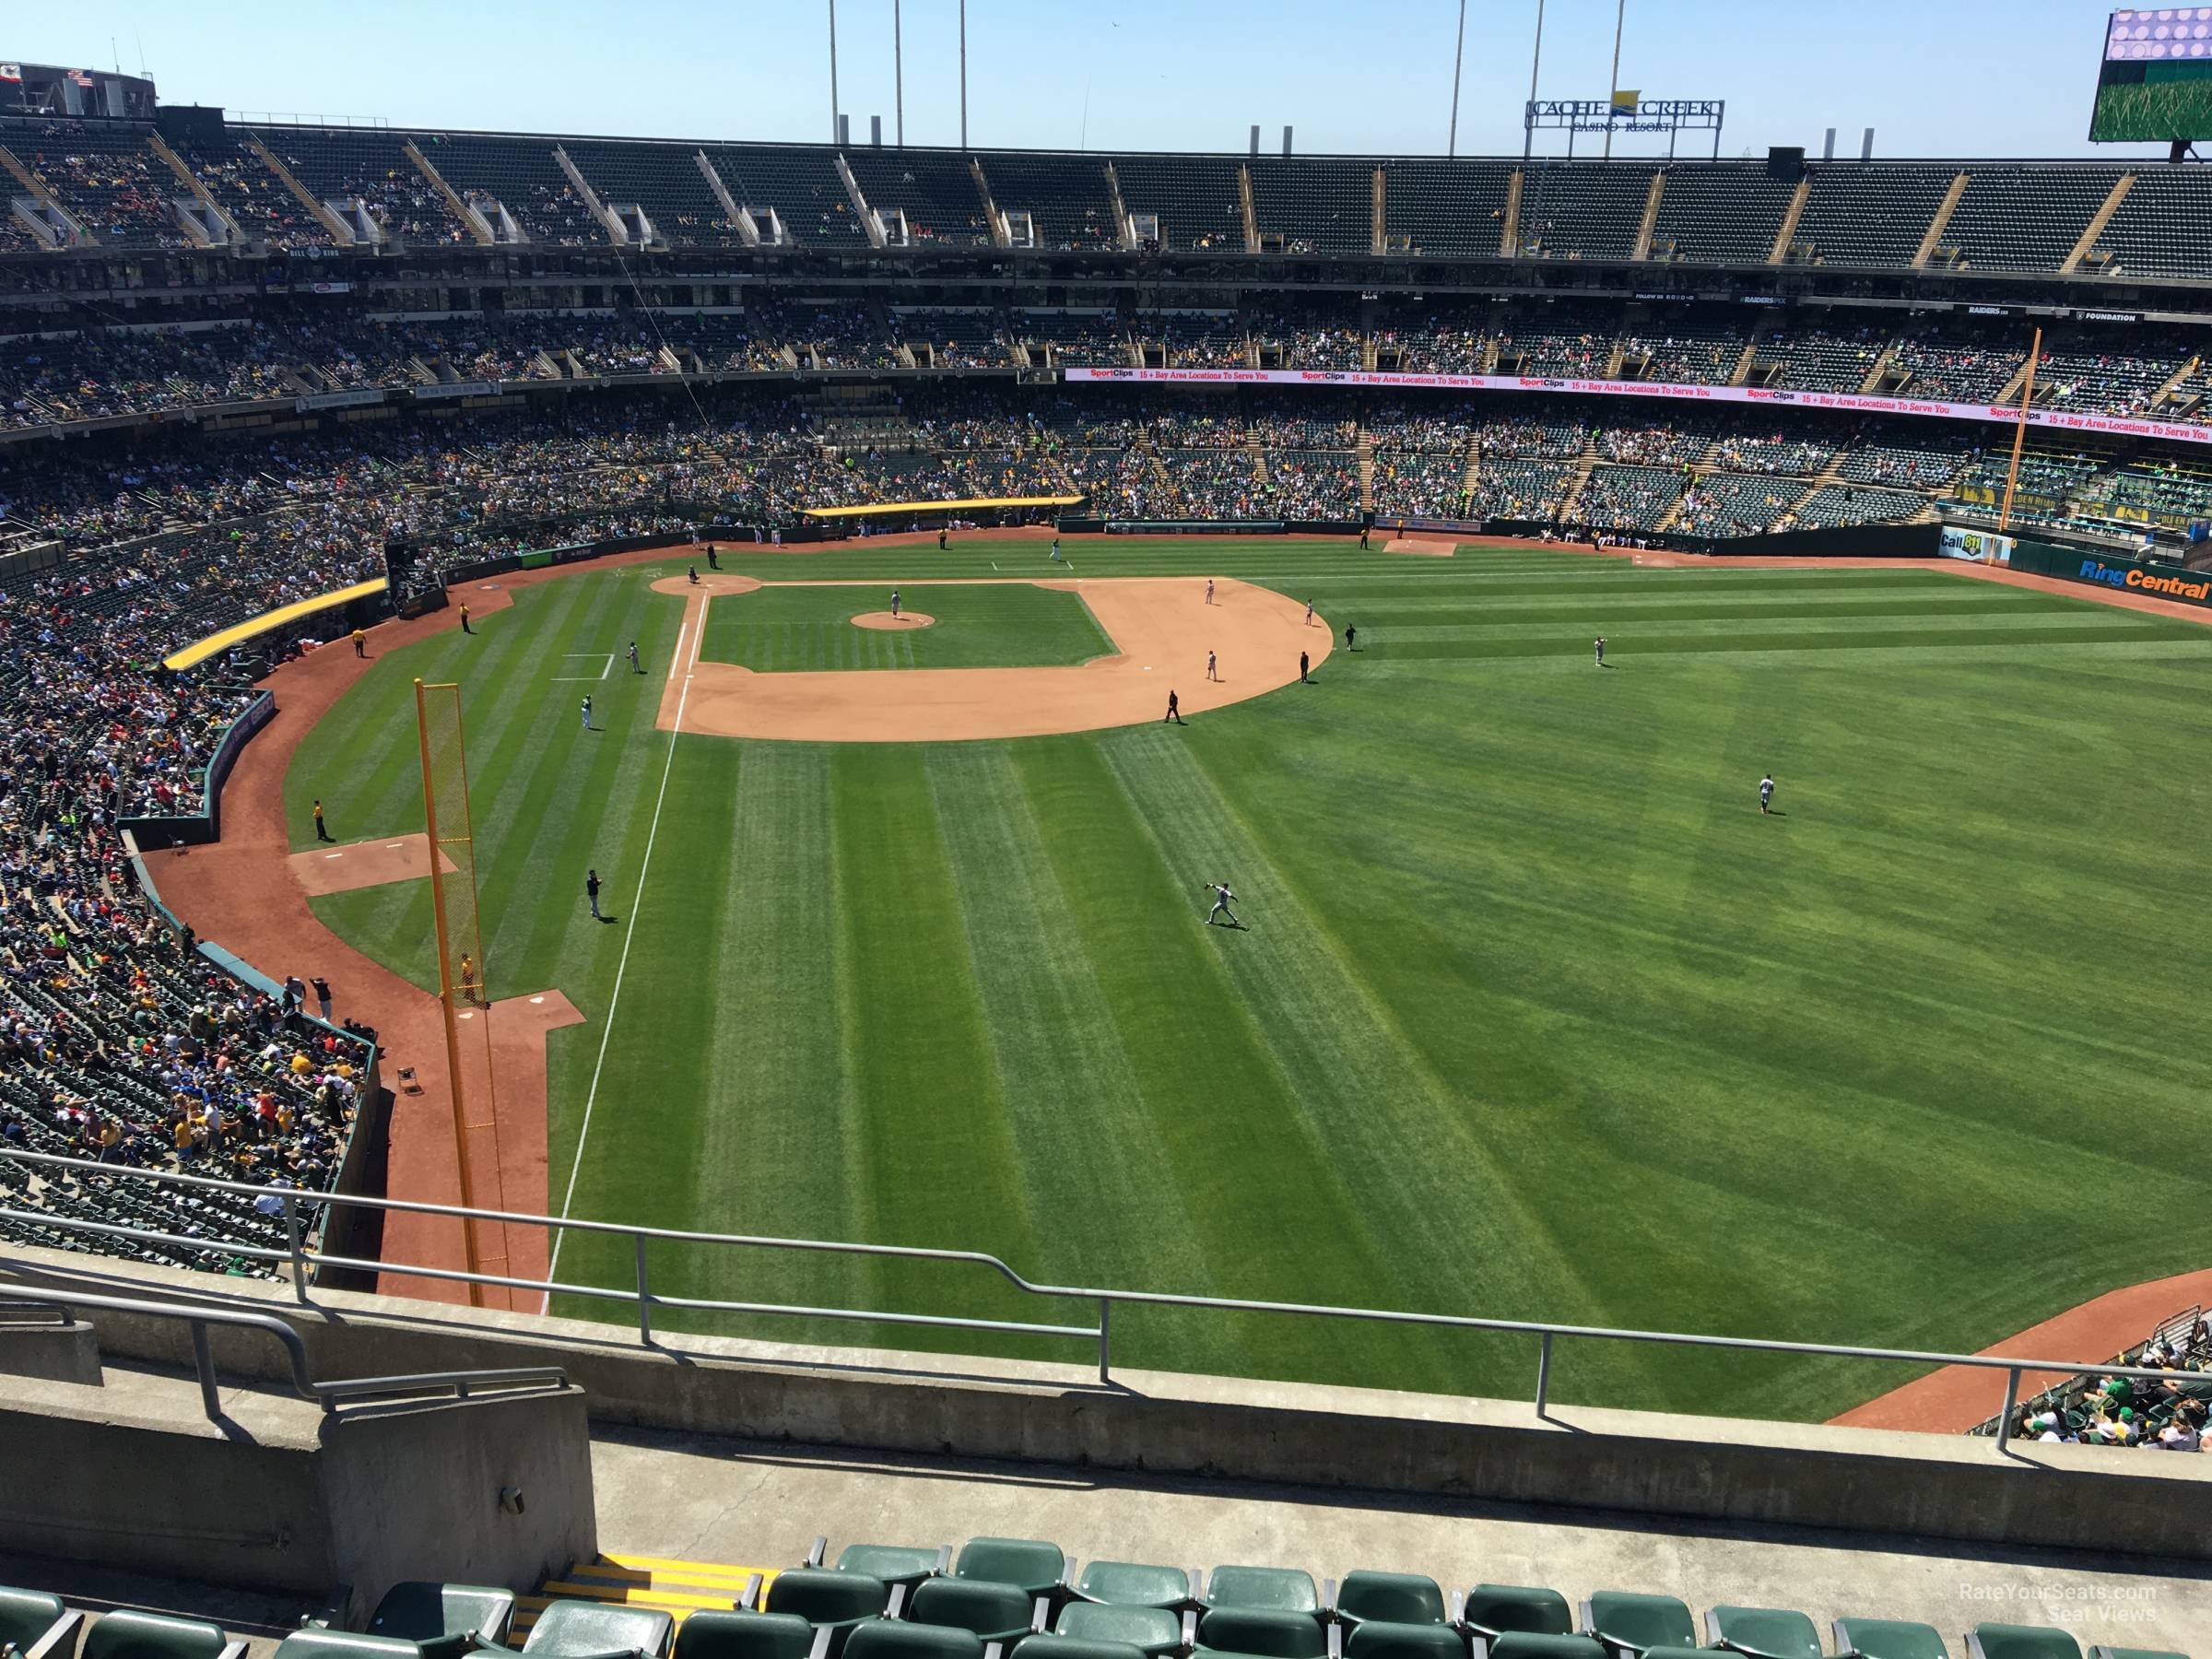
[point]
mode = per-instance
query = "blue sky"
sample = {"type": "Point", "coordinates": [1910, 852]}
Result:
{"type": "Point", "coordinates": [1981, 77]}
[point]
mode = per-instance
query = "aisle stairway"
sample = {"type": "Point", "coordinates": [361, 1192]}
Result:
{"type": "Point", "coordinates": [677, 1588]}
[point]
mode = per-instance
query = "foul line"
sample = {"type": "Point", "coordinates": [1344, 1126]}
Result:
{"type": "Point", "coordinates": [637, 905]}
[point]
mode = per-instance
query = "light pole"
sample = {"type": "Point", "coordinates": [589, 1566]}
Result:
{"type": "Point", "coordinates": [833, 71]}
{"type": "Point", "coordinates": [1459, 47]}
{"type": "Point", "coordinates": [1528, 130]}
{"type": "Point", "coordinates": [897, 83]}
{"type": "Point", "coordinates": [963, 74]}
{"type": "Point", "coordinates": [1613, 86]}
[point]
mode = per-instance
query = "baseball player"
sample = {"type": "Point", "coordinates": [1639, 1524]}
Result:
{"type": "Point", "coordinates": [1210, 590]}
{"type": "Point", "coordinates": [1766, 793]}
{"type": "Point", "coordinates": [1056, 551]}
{"type": "Point", "coordinates": [1223, 898]}
{"type": "Point", "coordinates": [587, 714]}
{"type": "Point", "coordinates": [635, 666]}
{"type": "Point", "coordinates": [1211, 672]}
{"type": "Point", "coordinates": [1309, 613]}
{"type": "Point", "coordinates": [591, 892]}
{"type": "Point", "coordinates": [1601, 651]}
{"type": "Point", "coordinates": [894, 605]}
{"type": "Point", "coordinates": [1174, 711]}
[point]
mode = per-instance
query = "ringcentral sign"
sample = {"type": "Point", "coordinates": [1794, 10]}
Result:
{"type": "Point", "coordinates": [2135, 579]}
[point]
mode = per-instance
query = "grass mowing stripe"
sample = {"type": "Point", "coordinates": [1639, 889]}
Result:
{"type": "Point", "coordinates": [935, 1132]}
{"type": "Point", "coordinates": [1419, 1179]}
{"type": "Point", "coordinates": [1064, 1068]}
{"type": "Point", "coordinates": [614, 1001]}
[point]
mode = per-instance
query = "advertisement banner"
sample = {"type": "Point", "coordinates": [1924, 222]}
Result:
{"type": "Point", "coordinates": [339, 400]}
{"type": "Point", "coordinates": [2115, 570]}
{"type": "Point", "coordinates": [1855, 403]}
{"type": "Point", "coordinates": [1983, 546]}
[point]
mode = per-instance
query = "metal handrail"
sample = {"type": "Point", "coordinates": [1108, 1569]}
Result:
{"type": "Point", "coordinates": [301, 1258]}
{"type": "Point", "coordinates": [457, 1384]}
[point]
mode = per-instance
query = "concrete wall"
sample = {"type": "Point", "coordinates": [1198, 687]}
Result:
{"type": "Point", "coordinates": [282, 1497]}
{"type": "Point", "coordinates": [63, 1353]}
{"type": "Point", "coordinates": [1728, 1469]}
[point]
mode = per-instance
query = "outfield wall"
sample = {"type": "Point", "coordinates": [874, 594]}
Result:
{"type": "Point", "coordinates": [1737, 1471]}
{"type": "Point", "coordinates": [2112, 572]}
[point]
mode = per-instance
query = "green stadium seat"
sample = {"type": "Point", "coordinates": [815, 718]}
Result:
{"type": "Point", "coordinates": [37, 1625]}
{"type": "Point", "coordinates": [1381, 1639]}
{"type": "Point", "coordinates": [1026, 1563]}
{"type": "Point", "coordinates": [1153, 1631]}
{"type": "Point", "coordinates": [1128, 1584]}
{"type": "Point", "coordinates": [1051, 1645]}
{"type": "Point", "coordinates": [1762, 1632]}
{"type": "Point", "coordinates": [1888, 1638]}
{"type": "Point", "coordinates": [1531, 1644]}
{"type": "Point", "coordinates": [445, 1620]}
{"type": "Point", "coordinates": [893, 1563]}
{"type": "Point", "coordinates": [995, 1612]}
{"type": "Point", "coordinates": [1263, 1589]}
{"type": "Point", "coordinates": [590, 1629]}
{"type": "Point", "coordinates": [713, 1634]}
{"type": "Point", "coordinates": [1404, 1599]}
{"type": "Point", "coordinates": [827, 1599]}
{"type": "Point", "coordinates": [1491, 1610]}
{"type": "Point", "coordinates": [345, 1644]}
{"type": "Point", "coordinates": [127, 1635]}
{"type": "Point", "coordinates": [895, 1638]}
{"type": "Point", "coordinates": [2021, 1641]}
{"type": "Point", "coordinates": [1266, 1633]}
{"type": "Point", "coordinates": [2101, 1652]}
{"type": "Point", "coordinates": [1631, 1624]}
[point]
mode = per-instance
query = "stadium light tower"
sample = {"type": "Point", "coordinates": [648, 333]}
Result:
{"type": "Point", "coordinates": [963, 74]}
{"type": "Point", "coordinates": [897, 83]}
{"type": "Point", "coordinates": [833, 71]}
{"type": "Point", "coordinates": [1535, 62]}
{"type": "Point", "coordinates": [1459, 47]}
{"type": "Point", "coordinates": [1620, 13]}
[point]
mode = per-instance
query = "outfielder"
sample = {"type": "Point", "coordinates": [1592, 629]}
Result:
{"type": "Point", "coordinates": [1223, 898]}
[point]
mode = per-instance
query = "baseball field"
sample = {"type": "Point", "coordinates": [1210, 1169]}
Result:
{"type": "Point", "coordinates": [1533, 1012]}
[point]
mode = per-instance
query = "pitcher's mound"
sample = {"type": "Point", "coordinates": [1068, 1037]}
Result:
{"type": "Point", "coordinates": [1428, 545]}
{"type": "Point", "coordinates": [889, 623]}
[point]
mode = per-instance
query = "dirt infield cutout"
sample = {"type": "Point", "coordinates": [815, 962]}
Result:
{"type": "Point", "coordinates": [903, 622]}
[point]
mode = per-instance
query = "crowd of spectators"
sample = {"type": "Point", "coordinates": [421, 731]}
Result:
{"type": "Point", "coordinates": [2167, 1414]}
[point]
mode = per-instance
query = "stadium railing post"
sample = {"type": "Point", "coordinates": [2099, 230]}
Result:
{"type": "Point", "coordinates": [203, 1361]}
{"type": "Point", "coordinates": [1105, 1338]}
{"type": "Point", "coordinates": [1543, 1370]}
{"type": "Point", "coordinates": [291, 1234]}
{"type": "Point", "coordinates": [2012, 1398]}
{"type": "Point", "coordinates": [645, 1298]}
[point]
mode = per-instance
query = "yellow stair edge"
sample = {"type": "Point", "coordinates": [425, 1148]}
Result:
{"type": "Point", "coordinates": [565, 1590]}
{"type": "Point", "coordinates": [666, 1564]}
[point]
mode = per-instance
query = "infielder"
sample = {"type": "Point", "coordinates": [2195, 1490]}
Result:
{"type": "Point", "coordinates": [1210, 590]}
{"type": "Point", "coordinates": [635, 666]}
{"type": "Point", "coordinates": [587, 714]}
{"type": "Point", "coordinates": [1210, 672]}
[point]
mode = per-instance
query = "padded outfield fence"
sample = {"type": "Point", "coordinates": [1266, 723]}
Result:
{"type": "Point", "coordinates": [1099, 1304]}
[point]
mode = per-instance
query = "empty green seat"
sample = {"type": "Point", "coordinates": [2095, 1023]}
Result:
{"type": "Point", "coordinates": [345, 1644]}
{"type": "Point", "coordinates": [1762, 1632]}
{"type": "Point", "coordinates": [2021, 1641]}
{"type": "Point", "coordinates": [445, 1620]}
{"type": "Point", "coordinates": [1051, 1645]}
{"type": "Point", "coordinates": [713, 1634]}
{"type": "Point", "coordinates": [34, 1623]}
{"type": "Point", "coordinates": [1028, 1564]}
{"type": "Point", "coordinates": [994, 1611]}
{"type": "Point", "coordinates": [1153, 1631]}
{"type": "Point", "coordinates": [1128, 1584]}
{"type": "Point", "coordinates": [829, 1599]}
{"type": "Point", "coordinates": [1393, 1597]}
{"type": "Point", "coordinates": [1634, 1623]}
{"type": "Point", "coordinates": [1263, 1633]}
{"type": "Point", "coordinates": [1383, 1638]}
{"type": "Point", "coordinates": [1493, 1609]}
{"type": "Point", "coordinates": [1888, 1638]}
{"type": "Point", "coordinates": [1266, 1589]}
{"type": "Point", "coordinates": [893, 1563]}
{"type": "Point", "coordinates": [129, 1635]}
{"type": "Point", "coordinates": [895, 1638]}
{"type": "Point", "coordinates": [590, 1629]}
{"type": "Point", "coordinates": [2101, 1652]}
{"type": "Point", "coordinates": [1531, 1644]}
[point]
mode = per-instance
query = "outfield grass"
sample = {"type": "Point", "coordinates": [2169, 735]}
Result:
{"type": "Point", "coordinates": [779, 630]}
{"type": "Point", "coordinates": [1536, 1016]}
